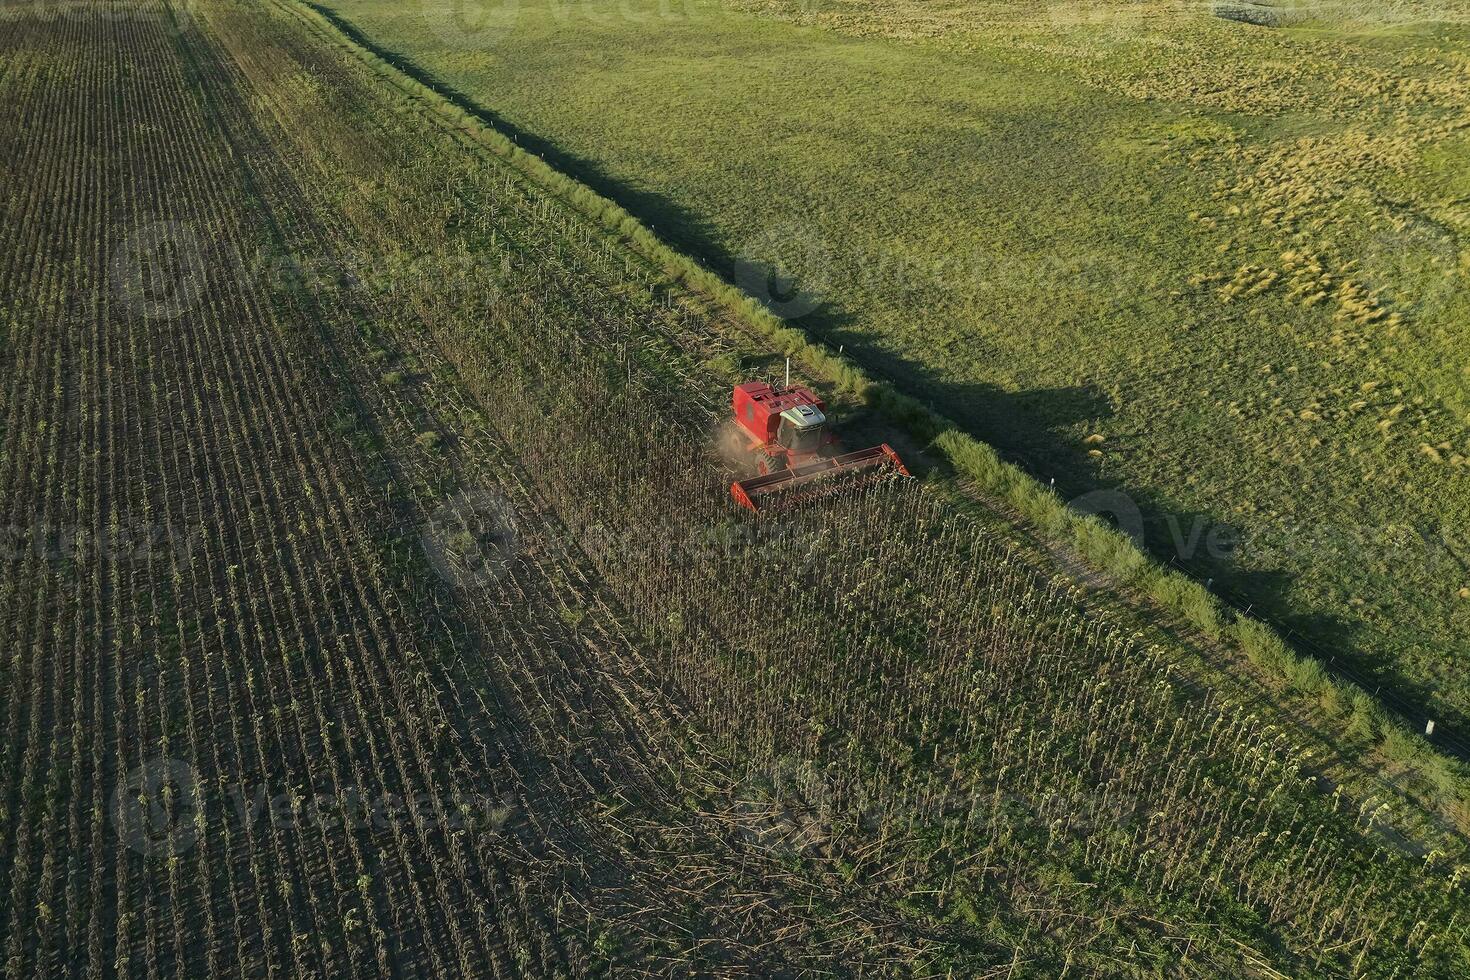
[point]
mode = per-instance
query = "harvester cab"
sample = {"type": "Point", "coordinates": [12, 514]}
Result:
{"type": "Point", "coordinates": [792, 441]}
{"type": "Point", "coordinates": [787, 428]}
{"type": "Point", "coordinates": [803, 430]}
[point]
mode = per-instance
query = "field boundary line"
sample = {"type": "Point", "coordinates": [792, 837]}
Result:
{"type": "Point", "coordinates": [1441, 765]}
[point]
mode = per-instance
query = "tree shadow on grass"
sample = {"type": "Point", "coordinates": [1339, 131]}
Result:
{"type": "Point", "coordinates": [668, 220]}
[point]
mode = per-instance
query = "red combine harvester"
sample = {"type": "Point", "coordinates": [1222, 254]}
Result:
{"type": "Point", "coordinates": [792, 443]}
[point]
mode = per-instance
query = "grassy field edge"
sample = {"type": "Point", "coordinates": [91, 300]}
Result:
{"type": "Point", "coordinates": [1393, 737]}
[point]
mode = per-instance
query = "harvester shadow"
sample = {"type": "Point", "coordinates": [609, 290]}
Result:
{"type": "Point", "coordinates": [1037, 430]}
{"type": "Point", "coordinates": [1033, 428]}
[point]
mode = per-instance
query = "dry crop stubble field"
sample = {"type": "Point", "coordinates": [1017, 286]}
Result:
{"type": "Point", "coordinates": [366, 612]}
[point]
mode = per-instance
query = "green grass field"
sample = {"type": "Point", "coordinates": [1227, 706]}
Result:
{"type": "Point", "coordinates": [1220, 266]}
